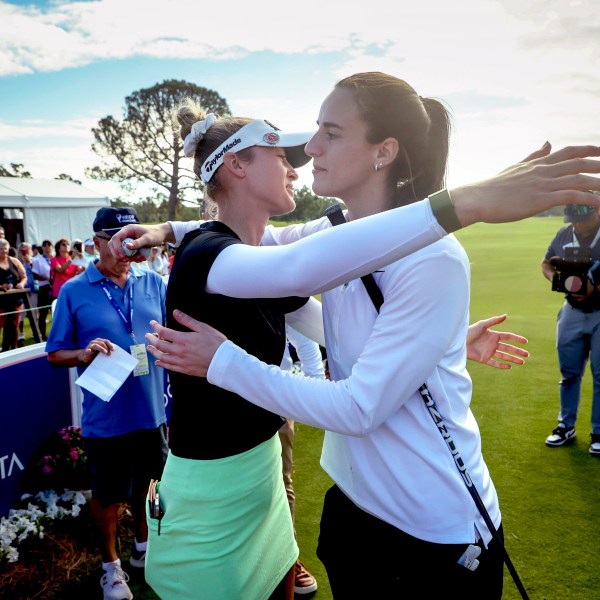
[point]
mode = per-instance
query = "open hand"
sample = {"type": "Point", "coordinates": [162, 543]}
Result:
{"type": "Point", "coordinates": [188, 352]}
{"type": "Point", "coordinates": [489, 347]}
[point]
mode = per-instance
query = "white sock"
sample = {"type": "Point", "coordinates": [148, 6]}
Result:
{"type": "Point", "coordinates": [111, 565]}
{"type": "Point", "coordinates": [141, 546]}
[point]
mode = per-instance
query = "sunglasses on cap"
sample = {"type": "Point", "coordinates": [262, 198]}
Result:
{"type": "Point", "coordinates": [578, 212]}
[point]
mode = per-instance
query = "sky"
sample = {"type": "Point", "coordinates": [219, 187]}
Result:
{"type": "Point", "coordinates": [513, 73]}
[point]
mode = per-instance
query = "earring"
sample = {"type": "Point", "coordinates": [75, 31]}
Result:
{"type": "Point", "coordinates": [377, 166]}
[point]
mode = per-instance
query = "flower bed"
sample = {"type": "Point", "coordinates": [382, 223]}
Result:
{"type": "Point", "coordinates": [31, 520]}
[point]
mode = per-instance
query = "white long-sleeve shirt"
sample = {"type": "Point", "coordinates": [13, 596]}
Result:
{"type": "Point", "coordinates": [308, 352]}
{"type": "Point", "coordinates": [381, 446]}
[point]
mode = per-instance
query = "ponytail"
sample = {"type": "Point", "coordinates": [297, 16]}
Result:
{"type": "Point", "coordinates": [431, 177]}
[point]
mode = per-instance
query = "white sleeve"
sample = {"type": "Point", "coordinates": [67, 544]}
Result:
{"type": "Point", "coordinates": [414, 330]}
{"type": "Point", "coordinates": [327, 258]}
{"type": "Point", "coordinates": [180, 228]}
{"type": "Point", "coordinates": [307, 322]}
{"type": "Point", "coordinates": [308, 353]}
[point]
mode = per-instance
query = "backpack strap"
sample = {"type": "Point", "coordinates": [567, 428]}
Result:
{"type": "Point", "coordinates": [336, 217]}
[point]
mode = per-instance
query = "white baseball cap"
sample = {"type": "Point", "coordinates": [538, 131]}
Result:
{"type": "Point", "coordinates": [259, 133]}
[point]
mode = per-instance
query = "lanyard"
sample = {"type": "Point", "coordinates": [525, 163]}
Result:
{"type": "Point", "coordinates": [115, 305]}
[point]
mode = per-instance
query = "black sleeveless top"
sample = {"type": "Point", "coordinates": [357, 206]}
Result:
{"type": "Point", "coordinates": [208, 422]}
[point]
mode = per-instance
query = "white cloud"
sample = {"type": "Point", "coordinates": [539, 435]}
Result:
{"type": "Point", "coordinates": [515, 73]}
{"type": "Point", "coordinates": [35, 129]}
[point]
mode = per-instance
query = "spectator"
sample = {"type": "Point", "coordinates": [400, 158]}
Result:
{"type": "Point", "coordinates": [77, 256]}
{"type": "Point", "coordinates": [25, 255]}
{"type": "Point", "coordinates": [42, 273]}
{"type": "Point", "coordinates": [61, 266]}
{"type": "Point", "coordinates": [164, 254]}
{"type": "Point", "coordinates": [12, 276]}
{"type": "Point", "coordinates": [111, 305]}
{"type": "Point", "coordinates": [89, 250]}
{"type": "Point", "coordinates": [578, 322]}
{"type": "Point", "coordinates": [172, 252]}
{"type": "Point", "coordinates": [154, 261]}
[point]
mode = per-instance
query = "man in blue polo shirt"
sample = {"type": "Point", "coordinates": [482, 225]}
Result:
{"type": "Point", "coordinates": [578, 323]}
{"type": "Point", "coordinates": [111, 304]}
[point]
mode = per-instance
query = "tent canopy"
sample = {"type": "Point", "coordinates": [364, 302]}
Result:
{"type": "Point", "coordinates": [52, 208]}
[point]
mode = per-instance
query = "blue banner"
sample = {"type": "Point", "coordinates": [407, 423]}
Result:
{"type": "Point", "coordinates": [34, 403]}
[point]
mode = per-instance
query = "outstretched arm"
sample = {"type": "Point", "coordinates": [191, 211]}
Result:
{"type": "Point", "coordinates": [335, 255]}
{"type": "Point", "coordinates": [489, 347]}
{"type": "Point", "coordinates": [540, 181]}
{"type": "Point", "coordinates": [191, 352]}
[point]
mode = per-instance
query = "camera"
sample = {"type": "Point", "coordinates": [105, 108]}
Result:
{"type": "Point", "coordinates": [572, 271]}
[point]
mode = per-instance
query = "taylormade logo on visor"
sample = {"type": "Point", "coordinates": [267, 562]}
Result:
{"type": "Point", "coordinates": [226, 148]}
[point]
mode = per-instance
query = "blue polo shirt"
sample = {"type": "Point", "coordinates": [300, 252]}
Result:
{"type": "Point", "coordinates": [84, 312]}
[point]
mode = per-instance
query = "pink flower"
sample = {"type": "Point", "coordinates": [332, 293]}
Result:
{"type": "Point", "coordinates": [74, 454]}
{"type": "Point", "coordinates": [47, 469]}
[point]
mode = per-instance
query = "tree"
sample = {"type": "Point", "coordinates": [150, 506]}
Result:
{"type": "Point", "coordinates": [145, 147]}
{"type": "Point", "coordinates": [308, 206]}
{"type": "Point", "coordinates": [14, 170]}
{"type": "Point", "coordinates": [67, 177]}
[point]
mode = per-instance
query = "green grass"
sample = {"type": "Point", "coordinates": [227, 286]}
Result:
{"type": "Point", "coordinates": [550, 497]}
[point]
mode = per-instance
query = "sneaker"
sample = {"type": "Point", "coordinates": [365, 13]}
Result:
{"type": "Point", "coordinates": [304, 582]}
{"type": "Point", "coordinates": [595, 445]}
{"type": "Point", "coordinates": [561, 436]}
{"type": "Point", "coordinates": [114, 584]}
{"type": "Point", "coordinates": [137, 558]}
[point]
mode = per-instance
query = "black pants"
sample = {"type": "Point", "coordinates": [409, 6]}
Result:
{"type": "Point", "coordinates": [44, 299]}
{"type": "Point", "coordinates": [369, 558]}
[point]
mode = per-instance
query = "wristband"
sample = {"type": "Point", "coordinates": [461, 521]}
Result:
{"type": "Point", "coordinates": [443, 211]}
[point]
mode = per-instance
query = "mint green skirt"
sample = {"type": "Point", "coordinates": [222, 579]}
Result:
{"type": "Point", "coordinates": [227, 531]}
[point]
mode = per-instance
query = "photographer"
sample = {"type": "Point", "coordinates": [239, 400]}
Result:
{"type": "Point", "coordinates": [571, 264]}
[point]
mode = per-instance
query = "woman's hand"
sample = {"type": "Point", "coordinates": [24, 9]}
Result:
{"type": "Point", "coordinates": [188, 352]}
{"type": "Point", "coordinates": [542, 180]}
{"type": "Point", "coordinates": [144, 236]}
{"type": "Point", "coordinates": [488, 347]}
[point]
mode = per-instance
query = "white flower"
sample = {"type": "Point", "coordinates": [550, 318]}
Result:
{"type": "Point", "coordinates": [28, 522]}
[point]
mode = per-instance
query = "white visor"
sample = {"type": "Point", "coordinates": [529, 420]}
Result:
{"type": "Point", "coordinates": [258, 133]}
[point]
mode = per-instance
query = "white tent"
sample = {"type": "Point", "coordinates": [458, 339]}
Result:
{"type": "Point", "coordinates": [50, 208]}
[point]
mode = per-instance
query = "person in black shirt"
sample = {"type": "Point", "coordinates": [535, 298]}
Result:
{"type": "Point", "coordinates": [227, 530]}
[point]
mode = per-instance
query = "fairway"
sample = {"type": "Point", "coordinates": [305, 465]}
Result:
{"type": "Point", "coordinates": [549, 497]}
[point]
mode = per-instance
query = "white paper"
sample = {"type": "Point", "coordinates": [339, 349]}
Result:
{"type": "Point", "coordinates": [107, 373]}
